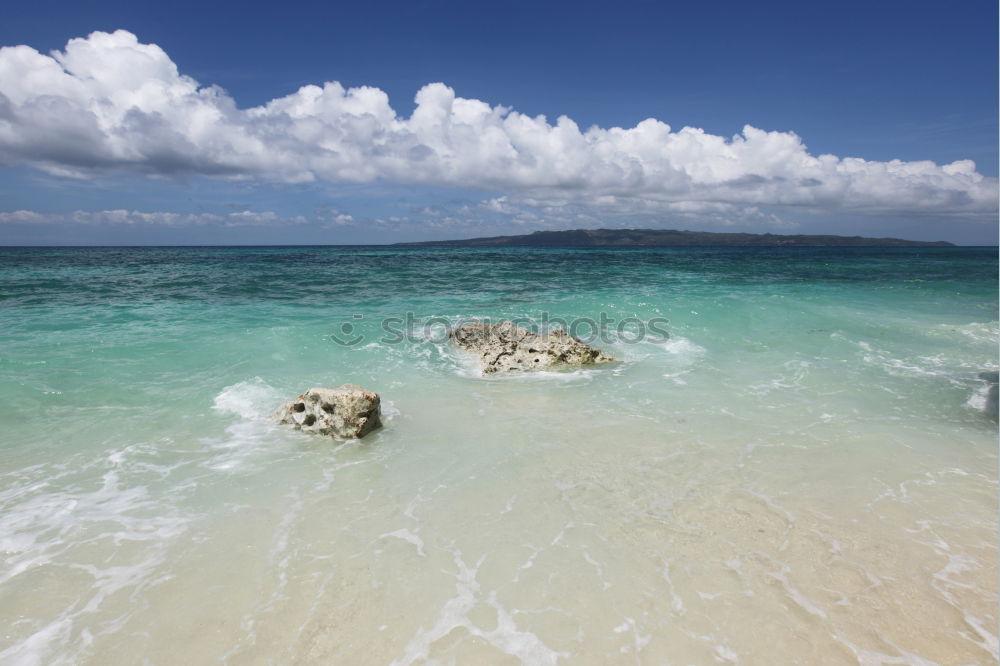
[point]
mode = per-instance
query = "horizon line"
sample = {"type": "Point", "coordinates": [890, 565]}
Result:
{"type": "Point", "coordinates": [416, 245]}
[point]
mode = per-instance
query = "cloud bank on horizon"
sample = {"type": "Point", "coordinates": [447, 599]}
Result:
{"type": "Point", "coordinates": [109, 103]}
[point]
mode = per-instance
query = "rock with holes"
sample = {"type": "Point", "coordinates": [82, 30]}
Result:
{"type": "Point", "coordinates": [346, 412]}
{"type": "Point", "coordinates": [505, 347]}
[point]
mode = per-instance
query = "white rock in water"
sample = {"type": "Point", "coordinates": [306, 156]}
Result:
{"type": "Point", "coordinates": [347, 412]}
{"type": "Point", "coordinates": [504, 347]}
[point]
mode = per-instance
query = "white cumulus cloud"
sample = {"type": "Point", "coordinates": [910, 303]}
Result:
{"type": "Point", "coordinates": [110, 103]}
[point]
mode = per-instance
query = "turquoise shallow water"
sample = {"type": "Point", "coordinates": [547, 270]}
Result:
{"type": "Point", "coordinates": [801, 469]}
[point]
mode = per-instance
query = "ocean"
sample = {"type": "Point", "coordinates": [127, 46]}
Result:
{"type": "Point", "coordinates": [792, 461]}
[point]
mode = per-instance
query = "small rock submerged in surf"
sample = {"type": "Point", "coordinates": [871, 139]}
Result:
{"type": "Point", "coordinates": [505, 347]}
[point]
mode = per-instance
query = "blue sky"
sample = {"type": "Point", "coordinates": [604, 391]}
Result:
{"type": "Point", "coordinates": [95, 155]}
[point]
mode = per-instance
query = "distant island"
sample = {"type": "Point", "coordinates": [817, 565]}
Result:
{"type": "Point", "coordinates": [671, 238]}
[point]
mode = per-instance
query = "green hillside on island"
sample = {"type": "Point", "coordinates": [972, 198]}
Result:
{"type": "Point", "coordinates": [671, 238]}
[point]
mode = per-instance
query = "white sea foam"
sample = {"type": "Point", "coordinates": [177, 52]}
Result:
{"type": "Point", "coordinates": [389, 410]}
{"type": "Point", "coordinates": [978, 398]}
{"type": "Point", "coordinates": [682, 347]}
{"type": "Point", "coordinates": [791, 379]}
{"type": "Point", "coordinates": [253, 399]}
{"type": "Point", "coordinates": [409, 537]}
{"type": "Point", "coordinates": [981, 332]}
{"type": "Point", "coordinates": [566, 376]}
{"type": "Point", "coordinates": [677, 377]}
{"type": "Point", "coordinates": [64, 526]}
{"type": "Point", "coordinates": [675, 351]}
{"type": "Point", "coordinates": [506, 637]}
{"type": "Point", "coordinates": [249, 441]}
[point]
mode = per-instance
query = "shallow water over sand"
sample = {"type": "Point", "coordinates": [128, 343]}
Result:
{"type": "Point", "coordinates": [801, 473]}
